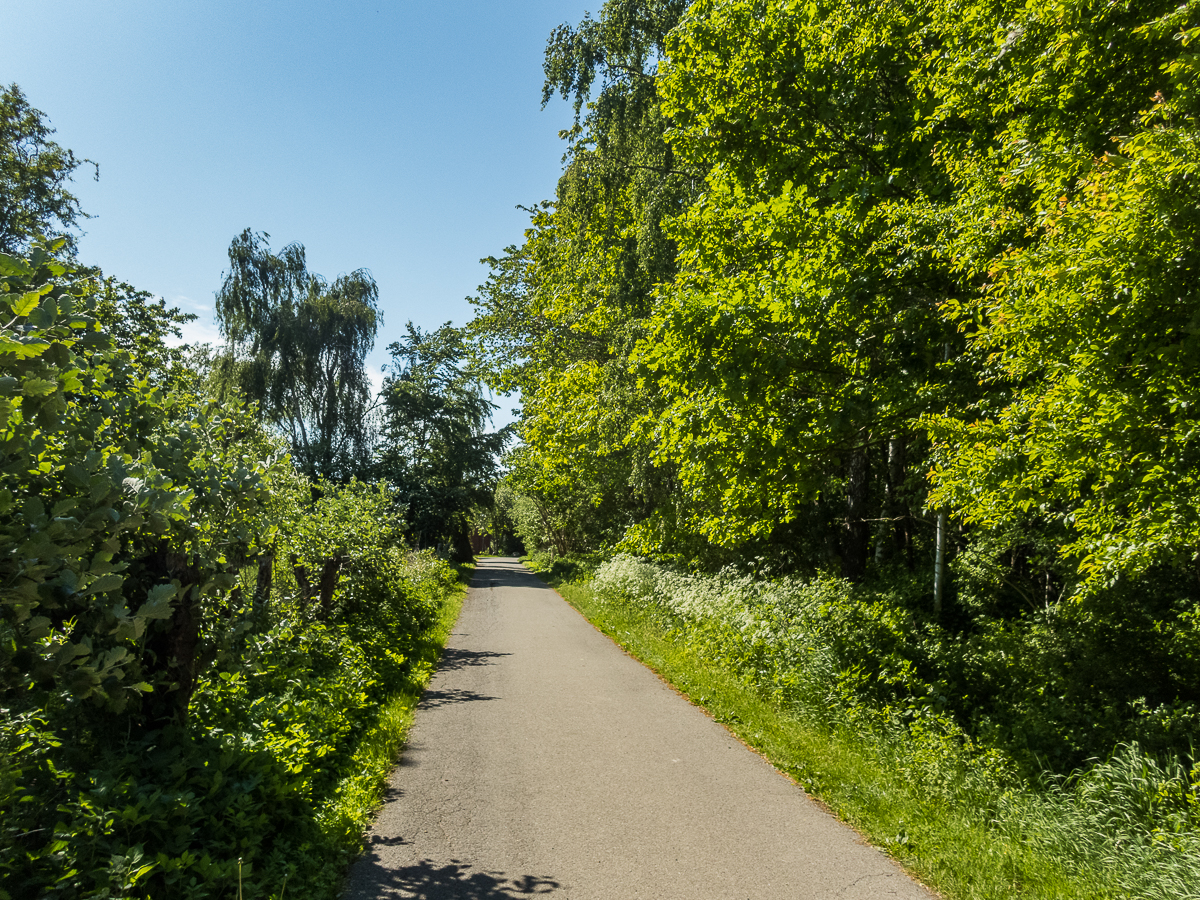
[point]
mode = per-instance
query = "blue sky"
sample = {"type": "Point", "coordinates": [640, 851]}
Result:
{"type": "Point", "coordinates": [393, 136]}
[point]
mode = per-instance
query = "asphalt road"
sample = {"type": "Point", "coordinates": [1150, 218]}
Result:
{"type": "Point", "coordinates": [545, 761]}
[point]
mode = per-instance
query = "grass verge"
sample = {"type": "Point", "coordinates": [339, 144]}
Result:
{"type": "Point", "coordinates": [352, 806]}
{"type": "Point", "coordinates": [956, 849]}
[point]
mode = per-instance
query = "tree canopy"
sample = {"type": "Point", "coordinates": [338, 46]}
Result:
{"type": "Point", "coordinates": [297, 346]}
{"type": "Point", "coordinates": [35, 203]}
{"type": "Point", "coordinates": [435, 445]}
{"type": "Point", "coordinates": [818, 274]}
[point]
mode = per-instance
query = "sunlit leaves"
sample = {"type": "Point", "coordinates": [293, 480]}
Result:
{"type": "Point", "coordinates": [1086, 328]}
{"type": "Point", "coordinates": [803, 322]}
{"type": "Point", "coordinates": [99, 470]}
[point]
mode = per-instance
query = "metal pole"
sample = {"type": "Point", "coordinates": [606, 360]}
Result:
{"type": "Point", "coordinates": [939, 565]}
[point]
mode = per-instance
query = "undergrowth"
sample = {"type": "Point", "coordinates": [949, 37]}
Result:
{"type": "Point", "coordinates": [269, 782]}
{"type": "Point", "coordinates": [805, 672]}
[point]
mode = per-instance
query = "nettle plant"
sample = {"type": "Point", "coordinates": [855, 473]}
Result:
{"type": "Point", "coordinates": [125, 512]}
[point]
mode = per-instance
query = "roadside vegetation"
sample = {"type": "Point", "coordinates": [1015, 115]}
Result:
{"type": "Point", "coordinates": [858, 362]}
{"type": "Point", "coordinates": [764, 661]}
{"type": "Point", "coordinates": [859, 368]}
{"type": "Point", "coordinates": [226, 574]}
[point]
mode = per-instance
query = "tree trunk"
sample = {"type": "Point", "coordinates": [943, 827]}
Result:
{"type": "Point", "coordinates": [897, 507]}
{"type": "Point", "coordinates": [330, 573]}
{"type": "Point", "coordinates": [306, 589]}
{"type": "Point", "coordinates": [857, 545]}
{"type": "Point", "coordinates": [319, 595]}
{"type": "Point", "coordinates": [172, 646]}
{"type": "Point", "coordinates": [185, 639]}
{"type": "Point", "coordinates": [460, 546]}
{"type": "Point", "coordinates": [939, 563]}
{"type": "Point", "coordinates": [266, 574]}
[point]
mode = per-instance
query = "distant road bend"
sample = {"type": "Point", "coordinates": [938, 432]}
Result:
{"type": "Point", "coordinates": [545, 761]}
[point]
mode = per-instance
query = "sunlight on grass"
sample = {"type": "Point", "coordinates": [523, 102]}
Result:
{"type": "Point", "coordinates": [950, 848]}
{"type": "Point", "coordinates": [360, 793]}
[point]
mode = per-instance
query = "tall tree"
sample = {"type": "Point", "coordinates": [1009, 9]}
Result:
{"type": "Point", "coordinates": [1076, 165]}
{"type": "Point", "coordinates": [436, 446]}
{"type": "Point", "coordinates": [297, 347]}
{"type": "Point", "coordinates": [560, 314]}
{"type": "Point", "coordinates": [799, 337]}
{"type": "Point", "coordinates": [34, 171]}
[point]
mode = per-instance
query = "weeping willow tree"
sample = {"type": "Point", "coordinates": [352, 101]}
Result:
{"type": "Point", "coordinates": [296, 345]}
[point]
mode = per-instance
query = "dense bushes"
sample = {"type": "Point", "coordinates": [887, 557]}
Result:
{"type": "Point", "coordinates": [1052, 690]}
{"type": "Point", "coordinates": [195, 640]}
{"type": "Point", "coordinates": [108, 809]}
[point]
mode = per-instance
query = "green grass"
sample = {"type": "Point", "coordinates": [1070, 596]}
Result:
{"type": "Point", "coordinates": [346, 815]}
{"type": "Point", "coordinates": [954, 848]}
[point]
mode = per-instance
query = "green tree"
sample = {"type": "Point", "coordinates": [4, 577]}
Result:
{"type": "Point", "coordinates": [560, 314]}
{"type": "Point", "coordinates": [795, 350]}
{"type": "Point", "coordinates": [124, 512]}
{"type": "Point", "coordinates": [34, 171]}
{"type": "Point", "coordinates": [297, 347]}
{"type": "Point", "coordinates": [435, 444]}
{"type": "Point", "coordinates": [1076, 201]}
{"type": "Point", "coordinates": [141, 325]}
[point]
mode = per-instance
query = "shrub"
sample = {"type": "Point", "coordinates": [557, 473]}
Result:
{"type": "Point", "coordinates": [177, 703]}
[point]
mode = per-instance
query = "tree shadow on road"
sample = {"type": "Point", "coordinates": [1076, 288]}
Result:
{"type": "Point", "coordinates": [427, 880]}
{"type": "Point", "coordinates": [509, 574]}
{"type": "Point", "coordinates": [432, 699]}
{"type": "Point", "coordinates": [455, 658]}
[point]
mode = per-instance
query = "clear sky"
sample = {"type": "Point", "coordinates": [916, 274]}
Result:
{"type": "Point", "coordinates": [390, 135]}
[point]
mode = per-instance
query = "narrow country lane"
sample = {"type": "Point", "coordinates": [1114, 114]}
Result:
{"type": "Point", "coordinates": [544, 761]}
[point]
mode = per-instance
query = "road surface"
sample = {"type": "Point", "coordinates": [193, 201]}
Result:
{"type": "Point", "coordinates": [545, 761]}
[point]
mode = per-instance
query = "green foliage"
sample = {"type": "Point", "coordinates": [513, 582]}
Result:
{"type": "Point", "coordinates": [184, 710]}
{"type": "Point", "coordinates": [435, 444]}
{"type": "Point", "coordinates": [960, 222]}
{"type": "Point", "coordinates": [297, 347]}
{"type": "Point", "coordinates": [498, 521]}
{"type": "Point", "coordinates": [558, 315]}
{"type": "Point", "coordinates": [560, 570]}
{"type": "Point", "coordinates": [843, 657]}
{"type": "Point", "coordinates": [384, 590]}
{"type": "Point", "coordinates": [1130, 815]}
{"type": "Point", "coordinates": [141, 325]}
{"type": "Point", "coordinates": [111, 491]}
{"type": "Point", "coordinates": [256, 774]}
{"type": "Point", "coordinates": [823, 287]}
{"type": "Point", "coordinates": [35, 204]}
{"type": "Point", "coordinates": [802, 334]}
{"type": "Point", "coordinates": [552, 508]}
{"type": "Point", "coordinates": [1087, 323]}
{"type": "Point", "coordinates": [173, 700]}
